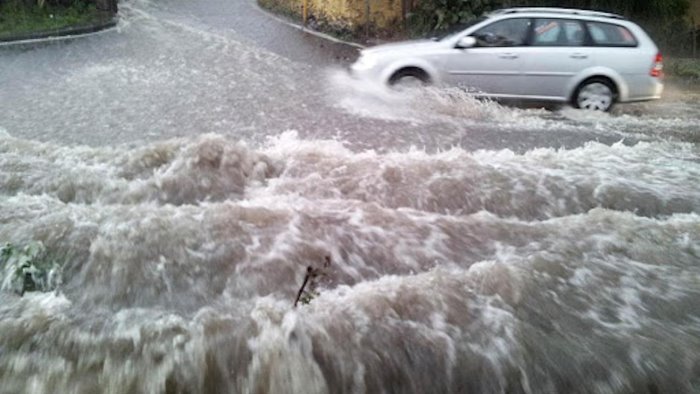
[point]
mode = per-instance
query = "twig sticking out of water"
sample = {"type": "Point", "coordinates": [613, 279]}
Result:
{"type": "Point", "coordinates": [305, 296]}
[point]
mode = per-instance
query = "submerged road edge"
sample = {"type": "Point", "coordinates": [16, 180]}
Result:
{"type": "Point", "coordinates": [67, 33]}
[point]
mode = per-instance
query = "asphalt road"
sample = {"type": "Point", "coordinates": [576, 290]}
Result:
{"type": "Point", "coordinates": [179, 68]}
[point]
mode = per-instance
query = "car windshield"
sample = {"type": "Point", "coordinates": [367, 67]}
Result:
{"type": "Point", "coordinates": [454, 30]}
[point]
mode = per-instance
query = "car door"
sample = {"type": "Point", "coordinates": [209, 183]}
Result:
{"type": "Point", "coordinates": [493, 65]}
{"type": "Point", "coordinates": [557, 53]}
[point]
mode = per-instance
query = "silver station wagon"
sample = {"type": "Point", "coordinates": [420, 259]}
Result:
{"type": "Point", "coordinates": [589, 59]}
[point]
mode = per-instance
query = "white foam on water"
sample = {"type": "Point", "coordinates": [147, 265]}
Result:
{"type": "Point", "coordinates": [650, 178]}
{"type": "Point", "coordinates": [450, 271]}
{"type": "Point", "coordinates": [643, 126]}
{"type": "Point", "coordinates": [455, 107]}
{"type": "Point", "coordinates": [282, 360]}
{"type": "Point", "coordinates": [424, 105]}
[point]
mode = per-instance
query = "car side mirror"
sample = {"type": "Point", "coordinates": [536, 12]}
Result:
{"type": "Point", "coordinates": [466, 42]}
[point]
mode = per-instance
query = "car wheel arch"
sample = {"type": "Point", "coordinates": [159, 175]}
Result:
{"type": "Point", "coordinates": [410, 71]}
{"type": "Point", "coordinates": [596, 92]}
{"type": "Point", "coordinates": [616, 81]}
{"type": "Point", "coordinates": [423, 66]}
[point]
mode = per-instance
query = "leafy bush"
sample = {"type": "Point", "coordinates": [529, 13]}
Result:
{"type": "Point", "coordinates": [683, 68]}
{"type": "Point", "coordinates": [437, 15]}
{"type": "Point", "coordinates": [28, 269]}
{"type": "Point", "coordinates": [18, 17]}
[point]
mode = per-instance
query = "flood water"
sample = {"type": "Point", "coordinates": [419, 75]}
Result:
{"type": "Point", "coordinates": [184, 176]}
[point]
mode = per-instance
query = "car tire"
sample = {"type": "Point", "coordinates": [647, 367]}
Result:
{"type": "Point", "coordinates": [595, 94]}
{"type": "Point", "coordinates": [409, 77]}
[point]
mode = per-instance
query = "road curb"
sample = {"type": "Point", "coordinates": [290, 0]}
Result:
{"type": "Point", "coordinates": [59, 34]}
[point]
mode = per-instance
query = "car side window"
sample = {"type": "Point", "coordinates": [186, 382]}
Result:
{"type": "Point", "coordinates": [558, 32]}
{"type": "Point", "coordinates": [504, 33]}
{"type": "Point", "coordinates": [608, 34]}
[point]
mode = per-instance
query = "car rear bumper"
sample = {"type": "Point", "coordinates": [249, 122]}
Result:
{"type": "Point", "coordinates": [644, 88]}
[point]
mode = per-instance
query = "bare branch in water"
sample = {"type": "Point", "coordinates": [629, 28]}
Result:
{"type": "Point", "coordinates": [305, 296]}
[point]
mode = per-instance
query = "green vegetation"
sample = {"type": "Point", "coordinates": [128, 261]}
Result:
{"type": "Point", "coordinates": [307, 296]}
{"type": "Point", "coordinates": [688, 69]}
{"type": "Point", "coordinates": [438, 15]}
{"type": "Point", "coordinates": [29, 268]}
{"type": "Point", "coordinates": [18, 18]}
{"type": "Point", "coordinates": [665, 20]}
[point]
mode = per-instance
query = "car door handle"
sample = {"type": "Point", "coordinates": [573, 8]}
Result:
{"type": "Point", "coordinates": [579, 56]}
{"type": "Point", "coordinates": [508, 56]}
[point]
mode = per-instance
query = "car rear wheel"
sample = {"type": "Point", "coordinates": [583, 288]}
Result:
{"type": "Point", "coordinates": [409, 77]}
{"type": "Point", "coordinates": [595, 94]}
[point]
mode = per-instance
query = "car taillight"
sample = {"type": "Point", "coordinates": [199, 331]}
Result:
{"type": "Point", "coordinates": [658, 69]}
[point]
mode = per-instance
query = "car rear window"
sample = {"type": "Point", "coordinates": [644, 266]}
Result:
{"type": "Point", "coordinates": [608, 34]}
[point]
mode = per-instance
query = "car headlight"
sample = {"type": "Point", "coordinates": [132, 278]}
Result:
{"type": "Point", "coordinates": [364, 63]}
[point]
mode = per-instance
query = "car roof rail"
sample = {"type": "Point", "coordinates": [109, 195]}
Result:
{"type": "Point", "coordinates": [551, 10]}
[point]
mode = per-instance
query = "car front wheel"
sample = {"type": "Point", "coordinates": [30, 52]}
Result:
{"type": "Point", "coordinates": [596, 94]}
{"type": "Point", "coordinates": [409, 77]}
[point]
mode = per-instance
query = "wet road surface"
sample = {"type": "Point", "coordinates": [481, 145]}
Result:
{"type": "Point", "coordinates": [186, 68]}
